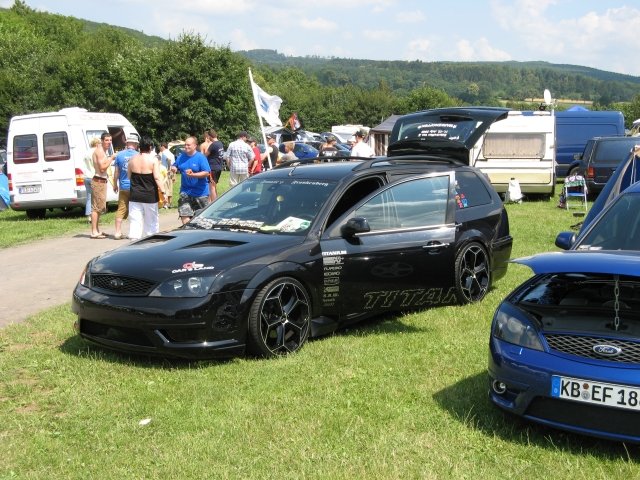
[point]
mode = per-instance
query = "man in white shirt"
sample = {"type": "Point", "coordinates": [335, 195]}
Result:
{"type": "Point", "coordinates": [361, 149]}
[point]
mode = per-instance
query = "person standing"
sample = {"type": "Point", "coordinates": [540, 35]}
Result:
{"type": "Point", "coordinates": [167, 159]}
{"type": "Point", "coordinates": [288, 152]}
{"type": "Point", "coordinates": [361, 149]}
{"type": "Point", "coordinates": [215, 157]}
{"type": "Point", "coordinates": [329, 149]}
{"type": "Point", "coordinates": [204, 146]}
{"type": "Point", "coordinates": [101, 162]}
{"type": "Point", "coordinates": [89, 171]}
{"type": "Point", "coordinates": [147, 188]}
{"type": "Point", "coordinates": [255, 166]}
{"type": "Point", "coordinates": [272, 153]}
{"type": "Point", "coordinates": [238, 156]}
{"type": "Point", "coordinates": [121, 180]}
{"type": "Point", "coordinates": [194, 188]}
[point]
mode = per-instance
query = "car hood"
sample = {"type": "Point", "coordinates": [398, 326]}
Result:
{"type": "Point", "coordinates": [182, 251]}
{"type": "Point", "coordinates": [447, 132]}
{"type": "Point", "coordinates": [603, 262]}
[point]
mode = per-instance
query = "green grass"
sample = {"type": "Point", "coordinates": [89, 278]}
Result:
{"type": "Point", "coordinates": [399, 397]}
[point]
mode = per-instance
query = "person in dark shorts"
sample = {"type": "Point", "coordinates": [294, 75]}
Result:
{"type": "Point", "coordinates": [195, 172]}
{"type": "Point", "coordinates": [215, 157]}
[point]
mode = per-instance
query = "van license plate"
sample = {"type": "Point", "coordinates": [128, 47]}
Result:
{"type": "Point", "coordinates": [29, 189]}
{"type": "Point", "coordinates": [611, 395]}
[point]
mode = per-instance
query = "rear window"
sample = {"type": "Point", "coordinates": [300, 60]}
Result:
{"type": "Point", "coordinates": [514, 145]}
{"type": "Point", "coordinates": [25, 149]}
{"type": "Point", "coordinates": [56, 146]}
{"type": "Point", "coordinates": [613, 152]}
{"type": "Point", "coordinates": [427, 127]}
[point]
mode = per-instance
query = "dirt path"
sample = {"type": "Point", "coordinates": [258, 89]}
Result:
{"type": "Point", "coordinates": [41, 275]}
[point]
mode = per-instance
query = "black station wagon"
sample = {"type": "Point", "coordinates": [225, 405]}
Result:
{"type": "Point", "coordinates": [308, 247]}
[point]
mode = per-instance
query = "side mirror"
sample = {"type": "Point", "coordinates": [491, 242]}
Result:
{"type": "Point", "coordinates": [354, 226]}
{"type": "Point", "coordinates": [565, 240]}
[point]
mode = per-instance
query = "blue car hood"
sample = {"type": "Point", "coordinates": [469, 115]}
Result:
{"type": "Point", "coordinates": [604, 262]}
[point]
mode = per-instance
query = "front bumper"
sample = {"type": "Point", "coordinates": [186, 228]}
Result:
{"type": "Point", "coordinates": [526, 376]}
{"type": "Point", "coordinates": [191, 328]}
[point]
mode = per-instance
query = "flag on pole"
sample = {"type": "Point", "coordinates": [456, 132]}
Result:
{"type": "Point", "coordinates": [268, 106]}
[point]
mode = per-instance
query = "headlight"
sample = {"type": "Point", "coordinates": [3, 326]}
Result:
{"type": "Point", "coordinates": [195, 286]}
{"type": "Point", "coordinates": [85, 277]}
{"type": "Point", "coordinates": [509, 327]}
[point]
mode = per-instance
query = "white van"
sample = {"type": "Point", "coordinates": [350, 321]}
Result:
{"type": "Point", "coordinates": [520, 147]}
{"type": "Point", "coordinates": [45, 153]}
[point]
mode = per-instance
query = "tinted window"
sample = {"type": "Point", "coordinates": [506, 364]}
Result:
{"type": "Point", "coordinates": [470, 190]}
{"type": "Point", "coordinates": [56, 146]}
{"type": "Point", "coordinates": [415, 203]}
{"type": "Point", "coordinates": [613, 152]}
{"type": "Point", "coordinates": [618, 228]}
{"type": "Point", "coordinates": [25, 149]}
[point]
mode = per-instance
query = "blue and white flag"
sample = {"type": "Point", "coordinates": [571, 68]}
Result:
{"type": "Point", "coordinates": [268, 106]}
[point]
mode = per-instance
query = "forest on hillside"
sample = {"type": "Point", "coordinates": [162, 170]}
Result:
{"type": "Point", "coordinates": [173, 88]}
{"type": "Point", "coordinates": [473, 82]}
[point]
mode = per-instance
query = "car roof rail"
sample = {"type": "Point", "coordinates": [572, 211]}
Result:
{"type": "Point", "coordinates": [408, 160]}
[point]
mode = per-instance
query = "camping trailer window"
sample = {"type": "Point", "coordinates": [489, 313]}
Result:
{"type": "Point", "coordinates": [56, 146]}
{"type": "Point", "coordinates": [25, 149]}
{"type": "Point", "coordinates": [514, 145]}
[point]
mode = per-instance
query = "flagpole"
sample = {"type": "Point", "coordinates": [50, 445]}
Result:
{"type": "Point", "coordinates": [255, 104]}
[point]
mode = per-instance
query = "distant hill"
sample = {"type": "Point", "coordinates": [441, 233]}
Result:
{"type": "Point", "coordinates": [482, 80]}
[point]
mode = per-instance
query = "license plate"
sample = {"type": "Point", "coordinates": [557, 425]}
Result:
{"type": "Point", "coordinates": [596, 393]}
{"type": "Point", "coordinates": [29, 189]}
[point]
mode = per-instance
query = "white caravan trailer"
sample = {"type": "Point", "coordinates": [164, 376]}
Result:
{"type": "Point", "coordinates": [45, 153]}
{"type": "Point", "coordinates": [520, 147]}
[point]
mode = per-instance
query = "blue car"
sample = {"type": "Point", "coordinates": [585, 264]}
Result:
{"type": "Point", "coordinates": [565, 345]}
{"type": "Point", "coordinates": [302, 150]}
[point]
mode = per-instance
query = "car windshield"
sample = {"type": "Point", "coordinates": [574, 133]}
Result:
{"type": "Point", "coordinates": [267, 205]}
{"type": "Point", "coordinates": [618, 228]}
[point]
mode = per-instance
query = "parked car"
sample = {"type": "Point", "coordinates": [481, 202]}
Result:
{"type": "Point", "coordinates": [302, 150]}
{"type": "Point", "coordinates": [300, 251]}
{"type": "Point", "coordinates": [565, 345]}
{"type": "Point", "coordinates": [616, 228]}
{"type": "Point", "coordinates": [601, 157]}
{"type": "Point", "coordinates": [176, 147]}
{"type": "Point", "coordinates": [627, 173]}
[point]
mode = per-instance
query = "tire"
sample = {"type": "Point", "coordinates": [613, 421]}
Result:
{"type": "Point", "coordinates": [280, 318]}
{"type": "Point", "coordinates": [36, 213]}
{"type": "Point", "coordinates": [473, 273]}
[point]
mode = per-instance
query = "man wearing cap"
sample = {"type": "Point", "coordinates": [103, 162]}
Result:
{"type": "Point", "coordinates": [194, 186]}
{"type": "Point", "coordinates": [361, 149]}
{"type": "Point", "coordinates": [239, 156]}
{"type": "Point", "coordinates": [122, 185]}
{"type": "Point", "coordinates": [272, 152]}
{"type": "Point", "coordinates": [329, 148]}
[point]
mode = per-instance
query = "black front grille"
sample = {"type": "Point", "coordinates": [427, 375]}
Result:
{"type": "Point", "coordinates": [130, 336]}
{"type": "Point", "coordinates": [121, 285]}
{"type": "Point", "coordinates": [582, 346]}
{"type": "Point", "coordinates": [602, 419]}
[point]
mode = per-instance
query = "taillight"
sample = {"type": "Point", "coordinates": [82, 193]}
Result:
{"type": "Point", "coordinates": [10, 182]}
{"type": "Point", "coordinates": [591, 173]}
{"type": "Point", "coordinates": [79, 178]}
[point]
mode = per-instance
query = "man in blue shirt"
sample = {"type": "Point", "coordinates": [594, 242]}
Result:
{"type": "Point", "coordinates": [194, 188]}
{"type": "Point", "coordinates": [121, 182]}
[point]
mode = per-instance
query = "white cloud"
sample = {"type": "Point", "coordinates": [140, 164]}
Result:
{"type": "Point", "coordinates": [418, 49]}
{"type": "Point", "coordinates": [378, 35]}
{"type": "Point", "coordinates": [318, 24]}
{"type": "Point", "coordinates": [410, 17]}
{"type": "Point", "coordinates": [480, 50]}
{"type": "Point", "coordinates": [239, 41]}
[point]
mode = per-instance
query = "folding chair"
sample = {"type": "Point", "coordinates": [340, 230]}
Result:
{"type": "Point", "coordinates": [575, 187]}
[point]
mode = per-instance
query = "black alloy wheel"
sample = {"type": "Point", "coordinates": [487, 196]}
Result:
{"type": "Point", "coordinates": [279, 319]}
{"type": "Point", "coordinates": [473, 275]}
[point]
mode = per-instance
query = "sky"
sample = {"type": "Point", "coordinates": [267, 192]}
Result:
{"type": "Point", "coordinates": [596, 33]}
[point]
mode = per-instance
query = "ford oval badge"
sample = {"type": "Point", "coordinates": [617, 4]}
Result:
{"type": "Point", "coordinates": [607, 350]}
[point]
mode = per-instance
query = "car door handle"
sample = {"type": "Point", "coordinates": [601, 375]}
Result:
{"type": "Point", "coordinates": [48, 170]}
{"type": "Point", "coordinates": [435, 246]}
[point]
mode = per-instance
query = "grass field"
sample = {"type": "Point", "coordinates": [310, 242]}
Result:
{"type": "Point", "coordinates": [398, 397]}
